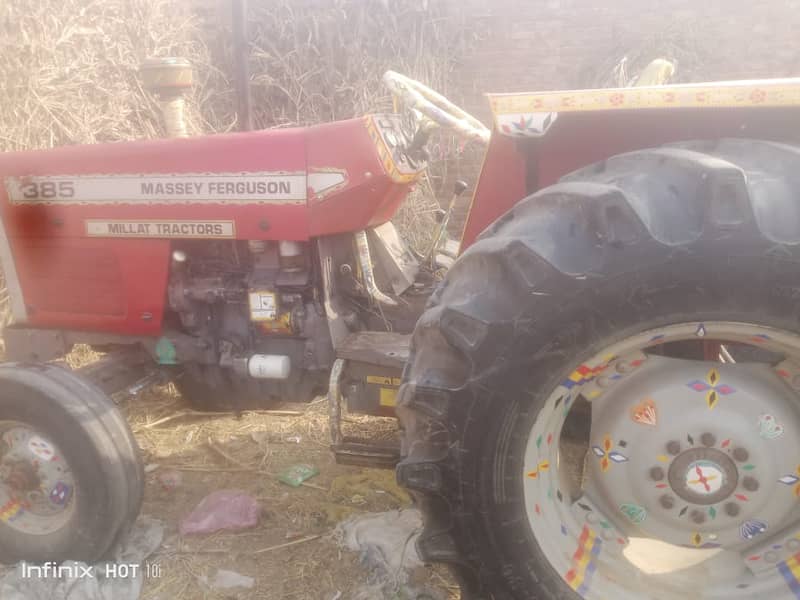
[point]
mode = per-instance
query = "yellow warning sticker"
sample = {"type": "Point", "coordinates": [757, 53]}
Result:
{"type": "Point", "coordinates": [383, 380]}
{"type": "Point", "coordinates": [388, 397]}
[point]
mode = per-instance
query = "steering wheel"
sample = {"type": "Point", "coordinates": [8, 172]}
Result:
{"type": "Point", "coordinates": [436, 107]}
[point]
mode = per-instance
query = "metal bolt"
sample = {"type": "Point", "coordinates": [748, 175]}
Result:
{"type": "Point", "coordinates": [674, 447]}
{"type": "Point", "coordinates": [750, 483]}
{"type": "Point", "coordinates": [667, 501]}
{"type": "Point", "coordinates": [657, 473]}
{"type": "Point", "coordinates": [263, 225]}
{"type": "Point", "coordinates": [697, 516]}
{"type": "Point", "coordinates": [740, 454]}
{"type": "Point", "coordinates": [732, 509]}
{"type": "Point", "coordinates": [708, 439]}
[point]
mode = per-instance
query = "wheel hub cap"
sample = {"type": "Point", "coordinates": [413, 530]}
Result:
{"type": "Point", "coordinates": [37, 487]}
{"type": "Point", "coordinates": [703, 476]}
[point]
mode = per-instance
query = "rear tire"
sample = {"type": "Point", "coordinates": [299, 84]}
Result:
{"type": "Point", "coordinates": [695, 232]}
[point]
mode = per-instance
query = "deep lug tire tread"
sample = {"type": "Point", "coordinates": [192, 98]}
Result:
{"type": "Point", "coordinates": [502, 309]}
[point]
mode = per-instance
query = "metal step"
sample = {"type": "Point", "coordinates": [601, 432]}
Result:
{"type": "Point", "coordinates": [366, 453]}
{"type": "Point", "coordinates": [376, 347]}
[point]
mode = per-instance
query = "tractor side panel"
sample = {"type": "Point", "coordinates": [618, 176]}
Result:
{"type": "Point", "coordinates": [500, 186]}
{"type": "Point", "coordinates": [106, 285]}
{"type": "Point", "coordinates": [516, 167]}
{"type": "Point", "coordinates": [72, 275]}
{"type": "Point", "coordinates": [370, 191]}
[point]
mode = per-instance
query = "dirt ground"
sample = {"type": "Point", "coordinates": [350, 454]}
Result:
{"type": "Point", "coordinates": [283, 554]}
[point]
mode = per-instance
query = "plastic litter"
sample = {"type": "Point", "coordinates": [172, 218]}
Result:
{"type": "Point", "coordinates": [226, 580]}
{"type": "Point", "coordinates": [297, 474]}
{"type": "Point", "coordinates": [170, 480]}
{"type": "Point", "coordinates": [230, 510]}
{"type": "Point", "coordinates": [386, 543]}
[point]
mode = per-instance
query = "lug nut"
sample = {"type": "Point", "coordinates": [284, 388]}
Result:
{"type": "Point", "coordinates": [750, 483]}
{"type": "Point", "coordinates": [667, 501]}
{"type": "Point", "coordinates": [657, 473]}
{"type": "Point", "coordinates": [674, 447]}
{"type": "Point", "coordinates": [740, 454]}
{"type": "Point", "coordinates": [732, 509]}
{"type": "Point", "coordinates": [697, 516]}
{"type": "Point", "coordinates": [708, 439]}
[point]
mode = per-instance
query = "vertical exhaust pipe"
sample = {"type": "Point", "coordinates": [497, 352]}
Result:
{"type": "Point", "coordinates": [169, 79]}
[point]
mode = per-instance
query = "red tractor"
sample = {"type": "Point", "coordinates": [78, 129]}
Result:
{"type": "Point", "coordinates": [599, 400]}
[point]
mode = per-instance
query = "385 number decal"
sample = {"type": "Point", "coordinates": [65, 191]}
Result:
{"type": "Point", "coordinates": [33, 190]}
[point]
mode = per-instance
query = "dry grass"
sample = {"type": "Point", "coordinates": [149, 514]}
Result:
{"type": "Point", "coordinates": [226, 452]}
{"type": "Point", "coordinates": [70, 70]}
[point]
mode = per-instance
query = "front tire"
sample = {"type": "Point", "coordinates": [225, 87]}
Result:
{"type": "Point", "coordinates": [648, 241]}
{"type": "Point", "coordinates": [71, 477]}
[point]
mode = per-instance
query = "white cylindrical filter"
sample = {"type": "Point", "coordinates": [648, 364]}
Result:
{"type": "Point", "coordinates": [257, 246]}
{"type": "Point", "coordinates": [269, 366]}
{"type": "Point", "coordinates": [291, 255]}
{"type": "Point", "coordinates": [287, 248]}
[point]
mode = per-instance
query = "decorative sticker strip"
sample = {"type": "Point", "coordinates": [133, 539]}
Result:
{"type": "Point", "coordinates": [11, 510]}
{"type": "Point", "coordinates": [60, 494]}
{"type": "Point", "coordinates": [584, 561]}
{"type": "Point", "coordinates": [790, 569]}
{"type": "Point", "coordinates": [776, 92]}
{"type": "Point", "coordinates": [750, 529]}
{"type": "Point", "coordinates": [712, 386]}
{"type": "Point", "coordinates": [261, 187]}
{"type": "Point", "coordinates": [607, 455]}
{"type": "Point", "coordinates": [768, 427]}
{"type": "Point", "coordinates": [583, 374]}
{"type": "Point", "coordinates": [636, 514]}
{"type": "Point", "coordinates": [645, 413]}
{"type": "Point", "coordinates": [792, 479]}
{"type": "Point", "coordinates": [542, 466]}
{"type": "Point", "coordinates": [41, 448]}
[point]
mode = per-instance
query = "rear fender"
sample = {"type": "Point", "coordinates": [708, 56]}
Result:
{"type": "Point", "coordinates": [527, 152]}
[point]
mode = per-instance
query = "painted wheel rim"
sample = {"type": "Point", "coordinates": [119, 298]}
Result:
{"type": "Point", "coordinates": [37, 487]}
{"type": "Point", "coordinates": [690, 483]}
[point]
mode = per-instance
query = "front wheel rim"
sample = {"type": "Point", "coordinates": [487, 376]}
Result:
{"type": "Point", "coordinates": [689, 483]}
{"type": "Point", "coordinates": [37, 486]}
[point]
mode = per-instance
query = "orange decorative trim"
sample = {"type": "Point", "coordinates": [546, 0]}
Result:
{"type": "Point", "coordinates": [766, 92]}
{"type": "Point", "coordinates": [385, 155]}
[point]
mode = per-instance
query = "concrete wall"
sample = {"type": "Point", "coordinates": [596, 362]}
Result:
{"type": "Point", "coordinates": [553, 44]}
